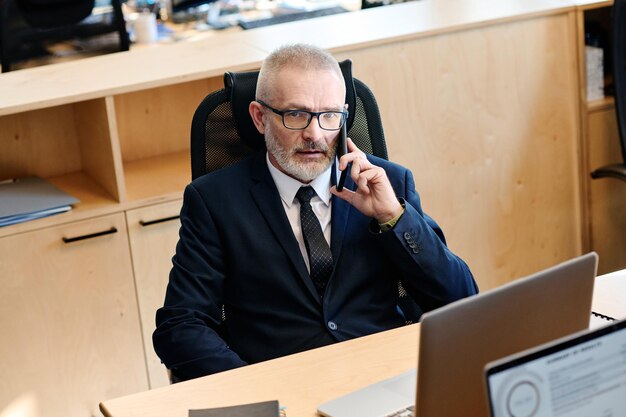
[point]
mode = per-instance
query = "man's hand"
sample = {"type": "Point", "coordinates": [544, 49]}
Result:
{"type": "Point", "coordinates": [374, 196]}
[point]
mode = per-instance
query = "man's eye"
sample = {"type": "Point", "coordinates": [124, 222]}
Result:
{"type": "Point", "coordinates": [329, 116]}
{"type": "Point", "coordinates": [297, 114]}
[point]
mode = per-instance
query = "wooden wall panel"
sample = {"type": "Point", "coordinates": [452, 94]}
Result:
{"type": "Point", "coordinates": [487, 121]}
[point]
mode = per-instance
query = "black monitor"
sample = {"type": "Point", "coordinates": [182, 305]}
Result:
{"type": "Point", "coordinates": [182, 5]}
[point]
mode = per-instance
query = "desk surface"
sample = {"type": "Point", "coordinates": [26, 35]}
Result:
{"type": "Point", "coordinates": [329, 371]}
{"type": "Point", "coordinates": [302, 381]}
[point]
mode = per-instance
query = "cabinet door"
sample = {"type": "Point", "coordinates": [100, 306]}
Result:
{"type": "Point", "coordinates": [153, 235]}
{"type": "Point", "coordinates": [69, 324]}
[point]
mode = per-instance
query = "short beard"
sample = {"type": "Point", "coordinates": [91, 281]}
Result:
{"type": "Point", "coordinates": [303, 171]}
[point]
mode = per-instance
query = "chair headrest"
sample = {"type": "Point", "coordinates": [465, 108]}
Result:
{"type": "Point", "coordinates": [242, 88]}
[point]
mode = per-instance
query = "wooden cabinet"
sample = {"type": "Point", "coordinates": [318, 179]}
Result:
{"type": "Point", "coordinates": [153, 233]}
{"type": "Point", "coordinates": [69, 321]}
{"type": "Point", "coordinates": [77, 318]}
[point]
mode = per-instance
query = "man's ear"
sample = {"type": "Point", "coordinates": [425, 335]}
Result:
{"type": "Point", "coordinates": [256, 112]}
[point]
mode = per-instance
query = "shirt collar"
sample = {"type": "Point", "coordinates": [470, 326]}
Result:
{"type": "Point", "coordinates": [288, 187]}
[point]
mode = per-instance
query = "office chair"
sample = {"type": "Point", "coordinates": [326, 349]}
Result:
{"type": "Point", "coordinates": [619, 78]}
{"type": "Point", "coordinates": [26, 24]}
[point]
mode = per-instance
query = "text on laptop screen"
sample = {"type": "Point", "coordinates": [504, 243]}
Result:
{"type": "Point", "coordinates": [587, 379]}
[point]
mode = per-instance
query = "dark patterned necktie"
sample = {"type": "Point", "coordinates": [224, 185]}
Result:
{"type": "Point", "coordinates": [320, 257]}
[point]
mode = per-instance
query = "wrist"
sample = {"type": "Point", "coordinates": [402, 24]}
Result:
{"type": "Point", "coordinates": [391, 214]}
{"type": "Point", "coordinates": [389, 224]}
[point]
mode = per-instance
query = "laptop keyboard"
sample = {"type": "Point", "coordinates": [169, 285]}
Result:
{"type": "Point", "coordinates": [407, 412]}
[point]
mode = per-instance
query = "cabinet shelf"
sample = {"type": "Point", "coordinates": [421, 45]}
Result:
{"type": "Point", "coordinates": [94, 201]}
{"type": "Point", "coordinates": [78, 184]}
{"type": "Point", "coordinates": [602, 104]}
{"type": "Point", "coordinates": [159, 177]}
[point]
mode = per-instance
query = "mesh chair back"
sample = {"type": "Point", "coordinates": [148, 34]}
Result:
{"type": "Point", "coordinates": [223, 133]}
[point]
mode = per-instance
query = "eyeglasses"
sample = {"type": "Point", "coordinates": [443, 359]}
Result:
{"type": "Point", "coordinates": [300, 119]}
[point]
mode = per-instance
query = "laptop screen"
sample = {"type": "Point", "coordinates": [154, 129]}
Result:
{"type": "Point", "coordinates": [579, 376]}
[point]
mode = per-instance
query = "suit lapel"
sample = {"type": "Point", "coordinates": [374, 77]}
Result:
{"type": "Point", "coordinates": [267, 199]}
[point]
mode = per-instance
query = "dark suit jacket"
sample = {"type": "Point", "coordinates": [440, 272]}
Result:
{"type": "Point", "coordinates": [238, 259]}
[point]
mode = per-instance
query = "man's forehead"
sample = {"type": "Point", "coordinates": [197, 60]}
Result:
{"type": "Point", "coordinates": [299, 87]}
{"type": "Point", "coordinates": [304, 76]}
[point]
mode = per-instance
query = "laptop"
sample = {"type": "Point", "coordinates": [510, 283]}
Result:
{"type": "Point", "coordinates": [456, 341]}
{"type": "Point", "coordinates": [577, 376]}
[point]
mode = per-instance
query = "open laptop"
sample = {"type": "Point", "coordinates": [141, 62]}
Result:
{"type": "Point", "coordinates": [576, 376]}
{"type": "Point", "coordinates": [456, 341]}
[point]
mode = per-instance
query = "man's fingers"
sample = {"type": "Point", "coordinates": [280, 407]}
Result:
{"type": "Point", "coordinates": [353, 153]}
{"type": "Point", "coordinates": [345, 194]}
{"type": "Point", "coordinates": [351, 146]}
{"type": "Point", "coordinates": [368, 177]}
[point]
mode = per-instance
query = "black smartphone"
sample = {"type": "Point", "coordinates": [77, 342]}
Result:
{"type": "Point", "coordinates": [342, 150]}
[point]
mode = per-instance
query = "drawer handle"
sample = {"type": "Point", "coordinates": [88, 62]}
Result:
{"type": "Point", "coordinates": [74, 239]}
{"type": "Point", "coordinates": [164, 219]}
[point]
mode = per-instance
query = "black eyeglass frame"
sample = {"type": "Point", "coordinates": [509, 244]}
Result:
{"type": "Point", "coordinates": [281, 113]}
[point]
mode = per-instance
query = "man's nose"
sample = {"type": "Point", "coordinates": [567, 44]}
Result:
{"type": "Point", "coordinates": [313, 131]}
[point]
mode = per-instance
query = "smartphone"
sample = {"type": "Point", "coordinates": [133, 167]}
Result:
{"type": "Point", "coordinates": [342, 150]}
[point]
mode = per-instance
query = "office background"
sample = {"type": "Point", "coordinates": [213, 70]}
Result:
{"type": "Point", "coordinates": [484, 100]}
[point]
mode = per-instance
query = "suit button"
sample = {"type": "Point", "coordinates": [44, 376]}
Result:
{"type": "Point", "coordinates": [332, 325]}
{"type": "Point", "coordinates": [416, 250]}
{"type": "Point", "coordinates": [407, 236]}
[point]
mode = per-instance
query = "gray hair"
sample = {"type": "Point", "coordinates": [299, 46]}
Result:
{"type": "Point", "coordinates": [301, 56]}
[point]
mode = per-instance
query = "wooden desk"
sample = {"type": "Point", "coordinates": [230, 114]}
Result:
{"type": "Point", "coordinates": [609, 295]}
{"type": "Point", "coordinates": [302, 381]}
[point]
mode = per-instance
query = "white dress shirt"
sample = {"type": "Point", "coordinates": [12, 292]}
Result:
{"type": "Point", "coordinates": [321, 203]}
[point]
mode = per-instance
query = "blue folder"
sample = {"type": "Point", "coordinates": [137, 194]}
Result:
{"type": "Point", "coordinates": [31, 198]}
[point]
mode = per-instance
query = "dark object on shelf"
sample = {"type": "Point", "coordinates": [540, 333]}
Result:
{"type": "Point", "coordinates": [368, 4]}
{"type": "Point", "coordinates": [27, 25]}
{"type": "Point", "coordinates": [291, 17]}
{"type": "Point", "coordinates": [182, 5]}
{"type": "Point", "coordinates": [619, 75]}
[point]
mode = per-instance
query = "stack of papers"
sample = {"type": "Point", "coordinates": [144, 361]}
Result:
{"type": "Point", "coordinates": [31, 198]}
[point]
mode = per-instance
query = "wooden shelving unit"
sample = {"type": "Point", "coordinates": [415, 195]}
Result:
{"type": "Point", "coordinates": [605, 199]}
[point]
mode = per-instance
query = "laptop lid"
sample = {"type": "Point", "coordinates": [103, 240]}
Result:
{"type": "Point", "coordinates": [577, 376]}
{"type": "Point", "coordinates": [456, 341]}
